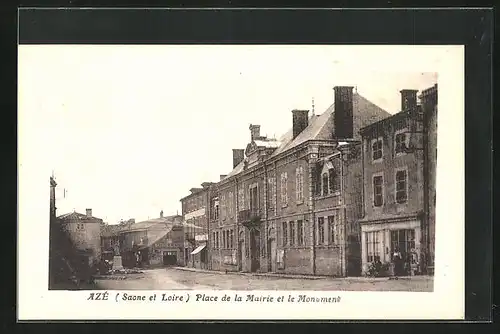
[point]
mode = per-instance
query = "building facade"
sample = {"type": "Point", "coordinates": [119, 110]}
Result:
{"type": "Point", "coordinates": [292, 204]}
{"type": "Point", "coordinates": [196, 216]}
{"type": "Point", "coordinates": [84, 232]}
{"type": "Point", "coordinates": [155, 242]}
{"type": "Point", "coordinates": [429, 101]}
{"type": "Point", "coordinates": [396, 188]}
{"type": "Point", "coordinates": [111, 240]}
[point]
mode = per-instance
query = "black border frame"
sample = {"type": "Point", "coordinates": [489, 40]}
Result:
{"type": "Point", "coordinates": [471, 27]}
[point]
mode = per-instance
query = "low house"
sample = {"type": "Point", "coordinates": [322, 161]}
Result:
{"type": "Point", "coordinates": [110, 237]}
{"type": "Point", "coordinates": [153, 242]}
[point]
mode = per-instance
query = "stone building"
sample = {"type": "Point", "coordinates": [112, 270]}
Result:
{"type": "Point", "coordinates": [429, 101]}
{"type": "Point", "coordinates": [396, 186]}
{"type": "Point", "coordinates": [195, 215]}
{"type": "Point", "coordinates": [154, 242]}
{"type": "Point", "coordinates": [110, 236]}
{"type": "Point", "coordinates": [84, 231]}
{"type": "Point", "coordinates": [110, 239]}
{"type": "Point", "coordinates": [291, 204]}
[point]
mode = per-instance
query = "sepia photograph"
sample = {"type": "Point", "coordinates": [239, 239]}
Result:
{"type": "Point", "coordinates": [333, 191]}
{"type": "Point", "coordinates": [235, 168]}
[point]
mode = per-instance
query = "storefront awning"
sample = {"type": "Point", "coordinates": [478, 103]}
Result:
{"type": "Point", "coordinates": [198, 249]}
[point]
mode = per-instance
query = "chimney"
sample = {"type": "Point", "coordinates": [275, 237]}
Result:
{"type": "Point", "coordinates": [254, 131]}
{"type": "Point", "coordinates": [89, 212]}
{"type": "Point", "coordinates": [238, 156]}
{"type": "Point", "coordinates": [222, 177]}
{"type": "Point", "coordinates": [161, 214]}
{"type": "Point", "coordinates": [429, 96]}
{"type": "Point", "coordinates": [408, 99]}
{"type": "Point", "coordinates": [343, 116]}
{"type": "Point", "coordinates": [300, 121]}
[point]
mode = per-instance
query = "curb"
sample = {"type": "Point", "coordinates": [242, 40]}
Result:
{"type": "Point", "coordinates": [250, 274]}
{"type": "Point", "coordinates": [288, 276]}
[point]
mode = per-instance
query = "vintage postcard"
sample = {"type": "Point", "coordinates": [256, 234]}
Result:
{"type": "Point", "coordinates": [243, 182]}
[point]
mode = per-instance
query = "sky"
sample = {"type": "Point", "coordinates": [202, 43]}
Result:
{"type": "Point", "coordinates": [128, 130]}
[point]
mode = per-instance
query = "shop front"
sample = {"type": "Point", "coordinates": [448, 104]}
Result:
{"type": "Point", "coordinates": [394, 245]}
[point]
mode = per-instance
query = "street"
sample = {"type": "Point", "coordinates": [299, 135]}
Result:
{"type": "Point", "coordinates": [175, 279]}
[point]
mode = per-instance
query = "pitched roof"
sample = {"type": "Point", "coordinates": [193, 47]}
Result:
{"type": "Point", "coordinates": [155, 223]}
{"type": "Point", "coordinates": [111, 230]}
{"type": "Point", "coordinates": [75, 217]}
{"type": "Point", "coordinates": [156, 235]}
{"type": "Point", "coordinates": [321, 127]}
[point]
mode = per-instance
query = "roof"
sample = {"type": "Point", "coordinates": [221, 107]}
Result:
{"type": "Point", "coordinates": [155, 223]}
{"type": "Point", "coordinates": [156, 236]}
{"type": "Point", "coordinates": [321, 127]}
{"type": "Point", "coordinates": [75, 217]}
{"type": "Point", "coordinates": [111, 230]}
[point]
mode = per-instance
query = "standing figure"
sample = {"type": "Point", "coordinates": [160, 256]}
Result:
{"type": "Point", "coordinates": [398, 262]}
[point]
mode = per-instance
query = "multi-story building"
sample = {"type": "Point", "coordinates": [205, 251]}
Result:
{"type": "Point", "coordinates": [291, 204]}
{"type": "Point", "coordinates": [429, 101]}
{"type": "Point", "coordinates": [84, 231]}
{"type": "Point", "coordinates": [396, 185]}
{"type": "Point", "coordinates": [195, 214]}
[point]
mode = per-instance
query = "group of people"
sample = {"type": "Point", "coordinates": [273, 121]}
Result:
{"type": "Point", "coordinates": [404, 266]}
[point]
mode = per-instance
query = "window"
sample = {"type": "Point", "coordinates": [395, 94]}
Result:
{"type": "Point", "coordinates": [299, 184]}
{"type": "Point", "coordinates": [284, 194]}
{"type": "Point", "coordinates": [217, 240]}
{"type": "Point", "coordinates": [401, 183]}
{"type": "Point", "coordinates": [377, 190]}
{"type": "Point", "coordinates": [321, 230]}
{"type": "Point", "coordinates": [216, 211]}
{"type": "Point", "coordinates": [284, 231]}
{"type": "Point", "coordinates": [325, 184]}
{"type": "Point", "coordinates": [230, 204]}
{"type": "Point", "coordinates": [80, 226]}
{"type": "Point", "coordinates": [372, 246]}
{"type": "Point", "coordinates": [377, 149]}
{"type": "Point", "coordinates": [300, 233]}
{"type": "Point", "coordinates": [223, 206]}
{"type": "Point", "coordinates": [231, 239]}
{"type": "Point", "coordinates": [404, 240]}
{"type": "Point", "coordinates": [272, 193]}
{"type": "Point", "coordinates": [400, 143]}
{"type": "Point", "coordinates": [334, 180]}
{"type": "Point", "coordinates": [254, 197]}
{"type": "Point", "coordinates": [241, 199]}
{"type": "Point", "coordinates": [292, 233]}
{"type": "Point", "coordinates": [332, 228]}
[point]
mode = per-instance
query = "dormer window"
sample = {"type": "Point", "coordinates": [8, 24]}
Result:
{"type": "Point", "coordinates": [334, 180]}
{"type": "Point", "coordinates": [330, 179]}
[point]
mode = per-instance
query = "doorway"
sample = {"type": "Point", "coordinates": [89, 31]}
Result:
{"type": "Point", "coordinates": [169, 258]}
{"type": "Point", "coordinates": [271, 246]}
{"type": "Point", "coordinates": [254, 250]}
{"type": "Point", "coordinates": [404, 240]}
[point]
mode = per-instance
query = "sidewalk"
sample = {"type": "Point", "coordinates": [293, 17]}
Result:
{"type": "Point", "coordinates": [310, 277]}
